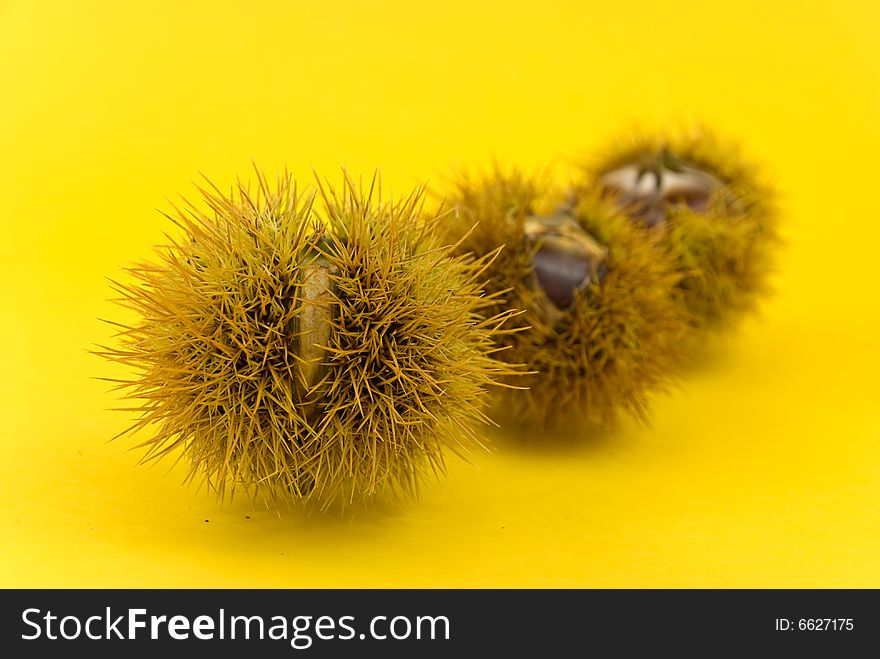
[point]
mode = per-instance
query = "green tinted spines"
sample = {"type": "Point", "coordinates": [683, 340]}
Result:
{"type": "Point", "coordinates": [717, 215]}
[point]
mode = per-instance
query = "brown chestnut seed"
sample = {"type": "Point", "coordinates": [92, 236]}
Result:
{"type": "Point", "coordinates": [647, 190]}
{"type": "Point", "coordinates": [560, 270]}
{"type": "Point", "coordinates": [315, 324]}
{"type": "Point", "coordinates": [565, 258]}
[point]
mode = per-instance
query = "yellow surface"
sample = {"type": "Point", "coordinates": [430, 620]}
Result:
{"type": "Point", "coordinates": [763, 469]}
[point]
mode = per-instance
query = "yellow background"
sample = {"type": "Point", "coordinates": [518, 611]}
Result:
{"type": "Point", "coordinates": [762, 469]}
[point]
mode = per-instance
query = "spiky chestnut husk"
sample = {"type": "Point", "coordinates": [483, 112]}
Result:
{"type": "Point", "coordinates": [715, 214]}
{"type": "Point", "coordinates": [306, 360]}
{"type": "Point", "coordinates": [599, 299]}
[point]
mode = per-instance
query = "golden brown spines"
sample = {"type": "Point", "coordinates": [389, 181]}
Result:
{"type": "Point", "coordinates": [612, 343]}
{"type": "Point", "coordinates": [308, 360]}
